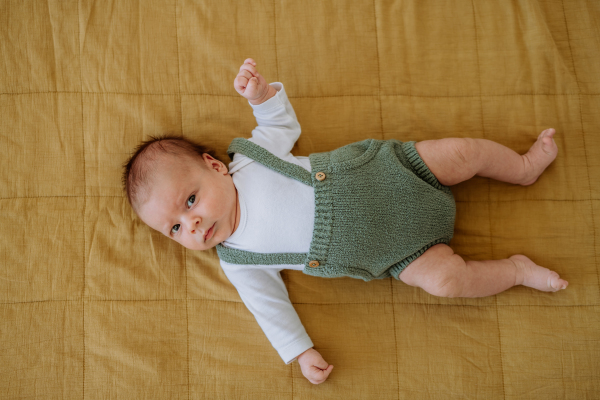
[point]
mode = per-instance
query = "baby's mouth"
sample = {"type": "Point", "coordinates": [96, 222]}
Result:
{"type": "Point", "coordinates": [209, 232]}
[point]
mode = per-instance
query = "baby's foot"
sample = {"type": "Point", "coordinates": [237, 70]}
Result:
{"type": "Point", "coordinates": [537, 277]}
{"type": "Point", "coordinates": [539, 156]}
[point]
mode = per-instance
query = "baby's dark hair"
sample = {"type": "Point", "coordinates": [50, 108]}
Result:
{"type": "Point", "coordinates": [138, 169]}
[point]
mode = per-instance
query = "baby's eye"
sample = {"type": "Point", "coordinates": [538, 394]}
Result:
{"type": "Point", "coordinates": [175, 229]}
{"type": "Point", "coordinates": [191, 200]}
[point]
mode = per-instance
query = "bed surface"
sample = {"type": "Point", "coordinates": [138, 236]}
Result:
{"type": "Point", "coordinates": [94, 304]}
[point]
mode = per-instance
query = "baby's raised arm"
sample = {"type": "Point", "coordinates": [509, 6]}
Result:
{"type": "Point", "coordinates": [251, 85]}
{"type": "Point", "coordinates": [278, 127]}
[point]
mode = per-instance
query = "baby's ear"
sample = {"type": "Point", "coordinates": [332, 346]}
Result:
{"type": "Point", "coordinates": [207, 159]}
{"type": "Point", "coordinates": [213, 163]}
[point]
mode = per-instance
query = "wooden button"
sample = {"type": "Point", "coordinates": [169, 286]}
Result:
{"type": "Point", "coordinates": [313, 264]}
{"type": "Point", "coordinates": [320, 176]}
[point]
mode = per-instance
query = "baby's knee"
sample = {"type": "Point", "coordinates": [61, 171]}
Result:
{"type": "Point", "coordinates": [451, 279]}
{"type": "Point", "coordinates": [438, 271]}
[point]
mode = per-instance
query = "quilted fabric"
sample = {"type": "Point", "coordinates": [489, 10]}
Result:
{"type": "Point", "coordinates": [94, 304]}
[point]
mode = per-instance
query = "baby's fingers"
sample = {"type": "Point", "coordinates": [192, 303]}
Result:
{"type": "Point", "coordinates": [250, 68]}
{"type": "Point", "coordinates": [240, 84]}
{"type": "Point", "coordinates": [319, 375]}
{"type": "Point", "coordinates": [252, 87]}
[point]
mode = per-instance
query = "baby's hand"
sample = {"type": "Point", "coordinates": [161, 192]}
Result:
{"type": "Point", "coordinates": [249, 83]}
{"type": "Point", "coordinates": [314, 368]}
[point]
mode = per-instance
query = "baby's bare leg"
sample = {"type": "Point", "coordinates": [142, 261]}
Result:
{"type": "Point", "coordinates": [442, 273]}
{"type": "Point", "coordinates": [454, 160]}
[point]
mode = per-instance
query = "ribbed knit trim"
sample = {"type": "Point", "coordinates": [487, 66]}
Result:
{"type": "Point", "coordinates": [323, 222]}
{"type": "Point", "coordinates": [419, 165]}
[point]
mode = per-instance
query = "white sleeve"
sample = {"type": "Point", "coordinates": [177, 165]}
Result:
{"type": "Point", "coordinates": [265, 295]}
{"type": "Point", "coordinates": [278, 128]}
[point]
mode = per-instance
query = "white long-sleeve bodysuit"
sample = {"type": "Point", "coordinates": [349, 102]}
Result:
{"type": "Point", "coordinates": [277, 216]}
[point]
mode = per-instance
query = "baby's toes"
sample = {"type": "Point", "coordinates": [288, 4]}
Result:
{"type": "Point", "coordinates": [549, 146]}
{"type": "Point", "coordinates": [546, 132]}
{"type": "Point", "coordinates": [563, 284]}
{"type": "Point", "coordinates": [555, 282]}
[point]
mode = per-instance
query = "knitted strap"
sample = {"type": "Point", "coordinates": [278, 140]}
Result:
{"type": "Point", "coordinates": [269, 160]}
{"type": "Point", "coordinates": [235, 256]}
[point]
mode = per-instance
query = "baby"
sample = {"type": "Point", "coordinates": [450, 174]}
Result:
{"type": "Point", "coordinates": [369, 210]}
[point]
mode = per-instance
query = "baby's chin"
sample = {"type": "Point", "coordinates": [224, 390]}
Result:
{"type": "Point", "coordinates": [199, 246]}
{"type": "Point", "coordinates": [195, 248]}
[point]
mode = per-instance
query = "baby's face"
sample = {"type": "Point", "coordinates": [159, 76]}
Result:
{"type": "Point", "coordinates": [186, 201]}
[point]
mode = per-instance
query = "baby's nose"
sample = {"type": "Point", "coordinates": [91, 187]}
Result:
{"type": "Point", "coordinates": [193, 226]}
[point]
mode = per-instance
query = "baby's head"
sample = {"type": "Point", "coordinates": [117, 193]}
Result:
{"type": "Point", "coordinates": [180, 189]}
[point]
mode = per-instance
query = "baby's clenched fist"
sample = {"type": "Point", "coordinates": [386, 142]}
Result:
{"type": "Point", "coordinates": [314, 367]}
{"type": "Point", "coordinates": [249, 83]}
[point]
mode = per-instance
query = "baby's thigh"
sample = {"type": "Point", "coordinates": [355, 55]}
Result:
{"type": "Point", "coordinates": [451, 160]}
{"type": "Point", "coordinates": [434, 268]}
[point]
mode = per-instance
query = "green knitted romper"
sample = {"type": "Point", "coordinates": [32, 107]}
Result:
{"type": "Point", "coordinates": [377, 208]}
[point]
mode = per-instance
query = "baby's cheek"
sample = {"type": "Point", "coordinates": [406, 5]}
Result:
{"type": "Point", "coordinates": [179, 241]}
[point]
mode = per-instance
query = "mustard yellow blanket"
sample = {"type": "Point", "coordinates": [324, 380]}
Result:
{"type": "Point", "coordinates": [96, 305]}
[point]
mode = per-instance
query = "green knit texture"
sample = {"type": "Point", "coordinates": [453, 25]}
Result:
{"type": "Point", "coordinates": [377, 210]}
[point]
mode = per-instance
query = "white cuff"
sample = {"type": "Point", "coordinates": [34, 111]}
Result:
{"type": "Point", "coordinates": [273, 102]}
{"type": "Point", "coordinates": [290, 352]}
